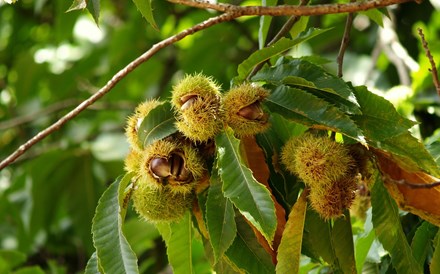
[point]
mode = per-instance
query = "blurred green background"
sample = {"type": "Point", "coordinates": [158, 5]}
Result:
{"type": "Point", "coordinates": [51, 60]}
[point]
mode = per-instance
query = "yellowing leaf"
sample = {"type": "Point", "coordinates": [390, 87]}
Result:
{"type": "Point", "coordinates": [257, 163]}
{"type": "Point", "coordinates": [289, 251]}
{"type": "Point", "coordinates": [424, 202]}
{"type": "Point", "coordinates": [389, 230]}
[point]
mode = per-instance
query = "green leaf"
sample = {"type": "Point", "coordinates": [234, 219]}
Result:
{"type": "Point", "coordinates": [92, 265]}
{"type": "Point", "coordinates": [246, 253]}
{"type": "Point", "coordinates": [379, 119]}
{"type": "Point", "coordinates": [289, 250]}
{"type": "Point", "coordinates": [144, 6]}
{"type": "Point", "coordinates": [140, 242]}
{"type": "Point", "coordinates": [334, 244]}
{"type": "Point", "coordinates": [435, 261]}
{"type": "Point", "coordinates": [266, 53]}
{"type": "Point", "coordinates": [184, 248]}
{"type": "Point", "coordinates": [114, 253]}
{"type": "Point", "coordinates": [386, 129]}
{"type": "Point", "coordinates": [341, 103]}
{"type": "Point", "coordinates": [389, 230]}
{"type": "Point", "coordinates": [74, 169]}
{"type": "Point", "coordinates": [364, 242]}
{"type": "Point", "coordinates": [316, 247]}
{"type": "Point", "coordinates": [342, 241]}
{"type": "Point", "coordinates": [178, 237]}
{"type": "Point", "coordinates": [77, 5]}
{"type": "Point", "coordinates": [265, 22]}
{"type": "Point", "coordinates": [10, 259]}
{"type": "Point", "coordinates": [307, 109]}
{"type": "Point", "coordinates": [220, 218]}
{"type": "Point", "coordinates": [434, 149]}
{"type": "Point", "coordinates": [422, 241]}
{"type": "Point", "coordinates": [284, 129]}
{"type": "Point", "coordinates": [29, 270]}
{"type": "Point", "coordinates": [299, 26]}
{"type": "Point", "coordinates": [94, 7]}
{"type": "Point", "coordinates": [158, 124]}
{"type": "Point", "coordinates": [410, 153]}
{"type": "Point", "coordinates": [375, 15]}
{"type": "Point", "coordinates": [284, 185]}
{"type": "Point", "coordinates": [302, 68]}
{"type": "Point", "coordinates": [82, 204]}
{"type": "Point", "coordinates": [246, 193]}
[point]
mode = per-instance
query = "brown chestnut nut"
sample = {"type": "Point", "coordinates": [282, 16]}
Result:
{"type": "Point", "coordinates": [197, 102]}
{"type": "Point", "coordinates": [252, 111]}
{"type": "Point", "coordinates": [178, 169]}
{"type": "Point", "coordinates": [188, 100]}
{"type": "Point", "coordinates": [169, 163]}
{"type": "Point", "coordinates": [160, 167]}
{"type": "Point", "coordinates": [250, 118]}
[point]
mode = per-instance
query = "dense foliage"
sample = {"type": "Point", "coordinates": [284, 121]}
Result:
{"type": "Point", "coordinates": [51, 60]}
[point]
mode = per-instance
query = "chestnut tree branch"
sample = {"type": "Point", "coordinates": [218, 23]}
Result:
{"type": "Point", "coordinates": [412, 185]}
{"type": "Point", "coordinates": [113, 81]}
{"type": "Point", "coordinates": [288, 25]}
{"type": "Point", "coordinates": [344, 42]}
{"type": "Point", "coordinates": [284, 10]}
{"type": "Point", "coordinates": [433, 69]}
{"type": "Point", "coordinates": [230, 12]}
{"type": "Point", "coordinates": [283, 31]}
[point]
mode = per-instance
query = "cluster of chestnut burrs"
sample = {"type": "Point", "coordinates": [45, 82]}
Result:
{"type": "Point", "coordinates": [331, 171]}
{"type": "Point", "coordinates": [168, 172]}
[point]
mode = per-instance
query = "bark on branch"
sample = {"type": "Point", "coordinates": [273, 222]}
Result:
{"type": "Point", "coordinates": [111, 84]}
{"type": "Point", "coordinates": [433, 69]}
{"type": "Point", "coordinates": [230, 12]}
{"type": "Point", "coordinates": [284, 10]}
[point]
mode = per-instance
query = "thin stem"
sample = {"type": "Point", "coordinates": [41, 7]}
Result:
{"type": "Point", "coordinates": [413, 185]}
{"type": "Point", "coordinates": [288, 25]}
{"type": "Point", "coordinates": [110, 84]}
{"type": "Point", "coordinates": [344, 42]}
{"type": "Point", "coordinates": [283, 31]}
{"type": "Point", "coordinates": [433, 69]}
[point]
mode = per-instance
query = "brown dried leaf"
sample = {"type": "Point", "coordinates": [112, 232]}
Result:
{"type": "Point", "coordinates": [424, 202]}
{"type": "Point", "coordinates": [254, 157]}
